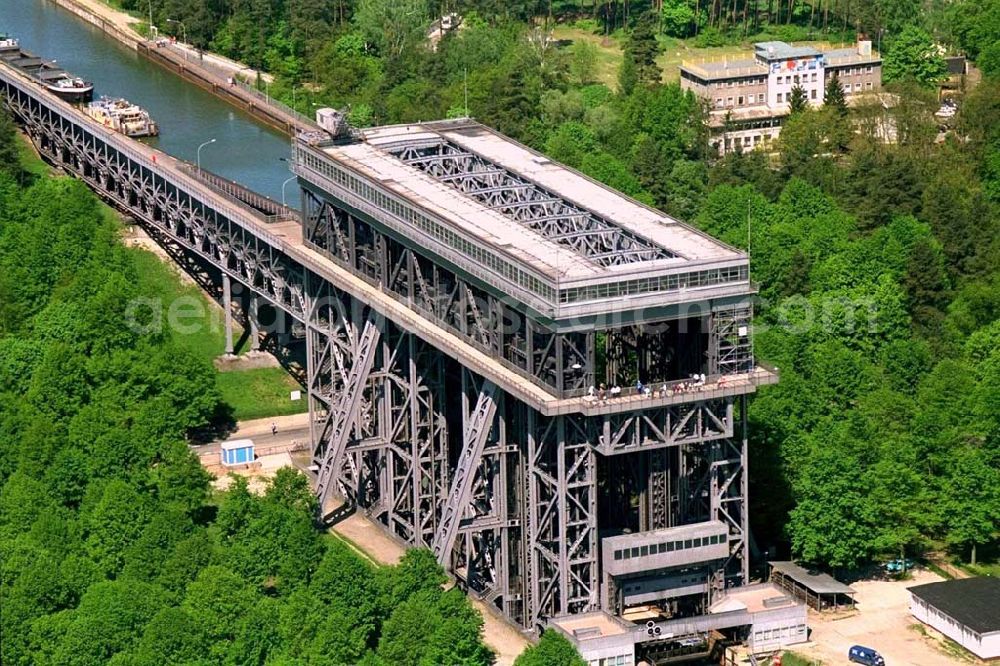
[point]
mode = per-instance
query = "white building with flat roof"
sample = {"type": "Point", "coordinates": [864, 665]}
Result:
{"type": "Point", "coordinates": [966, 610]}
{"type": "Point", "coordinates": [749, 98]}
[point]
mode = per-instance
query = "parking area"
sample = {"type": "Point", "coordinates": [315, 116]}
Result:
{"type": "Point", "coordinates": [883, 622]}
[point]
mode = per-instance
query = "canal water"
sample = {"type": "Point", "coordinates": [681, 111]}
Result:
{"type": "Point", "coordinates": [244, 150]}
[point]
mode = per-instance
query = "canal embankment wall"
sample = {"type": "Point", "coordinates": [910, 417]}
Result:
{"type": "Point", "coordinates": [111, 28]}
{"type": "Point", "coordinates": [192, 68]}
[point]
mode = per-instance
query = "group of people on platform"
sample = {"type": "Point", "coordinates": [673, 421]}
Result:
{"type": "Point", "coordinates": [695, 383]}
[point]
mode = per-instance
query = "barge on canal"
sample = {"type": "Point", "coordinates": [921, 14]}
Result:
{"type": "Point", "coordinates": [58, 81]}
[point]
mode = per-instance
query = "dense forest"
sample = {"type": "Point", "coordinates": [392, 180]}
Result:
{"type": "Point", "coordinates": [878, 262]}
{"type": "Point", "coordinates": [113, 549]}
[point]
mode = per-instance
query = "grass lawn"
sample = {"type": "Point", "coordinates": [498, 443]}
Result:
{"type": "Point", "coordinates": [196, 322]}
{"type": "Point", "coordinates": [793, 659]}
{"type": "Point", "coordinates": [252, 394]}
{"type": "Point", "coordinates": [260, 393]}
{"type": "Point", "coordinates": [30, 161]}
{"type": "Point", "coordinates": [983, 568]}
{"type": "Point", "coordinates": [675, 51]}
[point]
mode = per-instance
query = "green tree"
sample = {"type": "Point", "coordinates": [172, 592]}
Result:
{"type": "Point", "coordinates": [10, 156]}
{"type": "Point", "coordinates": [797, 100]}
{"type": "Point", "coordinates": [552, 650]}
{"type": "Point", "coordinates": [834, 95]}
{"type": "Point", "coordinates": [914, 56]}
{"type": "Point", "coordinates": [114, 523]}
{"type": "Point", "coordinates": [434, 627]}
{"type": "Point", "coordinates": [677, 18]}
{"type": "Point", "coordinates": [639, 66]}
{"type": "Point", "coordinates": [583, 61]}
{"type": "Point", "coordinates": [218, 600]}
{"type": "Point", "coordinates": [172, 636]}
{"type": "Point", "coordinates": [830, 521]}
{"type": "Point", "coordinates": [392, 26]}
{"type": "Point", "coordinates": [972, 499]}
{"type": "Point", "coordinates": [110, 619]}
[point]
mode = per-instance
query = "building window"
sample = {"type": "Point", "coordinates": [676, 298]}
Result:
{"type": "Point", "coordinates": [687, 543]}
{"type": "Point", "coordinates": [779, 98]}
{"type": "Point", "coordinates": [643, 551]}
{"type": "Point", "coordinates": [729, 101]}
{"type": "Point", "coordinates": [740, 100]}
{"type": "Point", "coordinates": [729, 84]}
{"type": "Point", "coordinates": [812, 93]}
{"type": "Point", "coordinates": [868, 69]}
{"type": "Point", "coordinates": [857, 87]}
{"type": "Point", "coordinates": [635, 552]}
{"type": "Point", "coordinates": [697, 542]}
{"type": "Point", "coordinates": [813, 77]}
{"type": "Point", "coordinates": [618, 554]}
{"type": "Point", "coordinates": [718, 102]}
{"type": "Point", "coordinates": [868, 85]}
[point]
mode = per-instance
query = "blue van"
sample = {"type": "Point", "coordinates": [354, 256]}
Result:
{"type": "Point", "coordinates": [865, 655]}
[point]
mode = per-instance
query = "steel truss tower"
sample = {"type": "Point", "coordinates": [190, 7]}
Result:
{"type": "Point", "coordinates": [461, 300]}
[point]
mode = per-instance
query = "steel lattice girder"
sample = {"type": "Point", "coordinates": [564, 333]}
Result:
{"type": "Point", "coordinates": [449, 299]}
{"type": "Point", "coordinates": [555, 218]}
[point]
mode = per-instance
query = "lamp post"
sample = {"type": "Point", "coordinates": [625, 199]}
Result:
{"type": "Point", "coordinates": [199, 152]}
{"type": "Point", "coordinates": [287, 180]}
{"type": "Point", "coordinates": [184, 31]}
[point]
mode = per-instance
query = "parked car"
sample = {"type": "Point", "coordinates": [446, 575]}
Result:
{"type": "Point", "coordinates": [899, 565]}
{"type": "Point", "coordinates": [860, 654]}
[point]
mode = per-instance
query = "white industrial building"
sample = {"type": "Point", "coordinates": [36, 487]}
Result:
{"type": "Point", "coordinates": [966, 611]}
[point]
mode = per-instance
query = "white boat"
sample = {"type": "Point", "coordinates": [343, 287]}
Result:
{"type": "Point", "coordinates": [122, 116]}
{"type": "Point", "coordinates": [70, 88]}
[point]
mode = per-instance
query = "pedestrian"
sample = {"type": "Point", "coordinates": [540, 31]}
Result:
{"type": "Point", "coordinates": [591, 391]}
{"type": "Point", "coordinates": [274, 429]}
{"type": "Point", "coordinates": [602, 393]}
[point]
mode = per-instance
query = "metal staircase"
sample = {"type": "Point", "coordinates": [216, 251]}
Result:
{"type": "Point", "coordinates": [344, 414]}
{"type": "Point", "coordinates": [477, 430]}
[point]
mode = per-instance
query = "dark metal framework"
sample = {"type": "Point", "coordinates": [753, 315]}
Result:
{"type": "Point", "coordinates": [509, 495]}
{"type": "Point", "coordinates": [529, 204]}
{"type": "Point", "coordinates": [560, 361]}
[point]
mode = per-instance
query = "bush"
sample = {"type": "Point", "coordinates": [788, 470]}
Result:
{"type": "Point", "coordinates": [710, 37]}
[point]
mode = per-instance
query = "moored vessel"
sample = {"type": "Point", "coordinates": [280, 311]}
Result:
{"type": "Point", "coordinates": [122, 116]}
{"type": "Point", "coordinates": [58, 81]}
